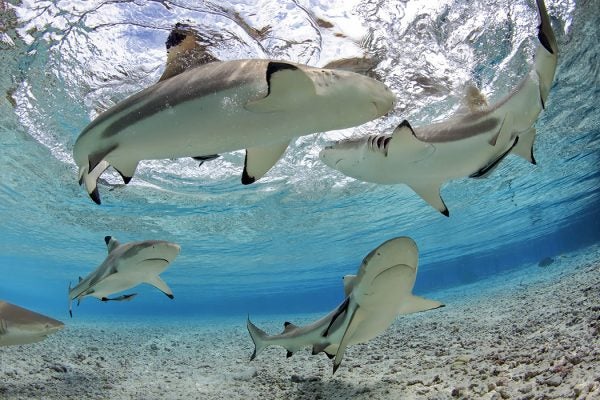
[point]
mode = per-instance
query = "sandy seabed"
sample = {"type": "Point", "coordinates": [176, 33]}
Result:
{"type": "Point", "coordinates": [529, 334]}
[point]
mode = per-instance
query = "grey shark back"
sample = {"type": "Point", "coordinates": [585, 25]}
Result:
{"type": "Point", "coordinates": [21, 326]}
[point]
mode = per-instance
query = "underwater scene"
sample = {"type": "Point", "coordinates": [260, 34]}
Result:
{"type": "Point", "coordinates": [299, 199]}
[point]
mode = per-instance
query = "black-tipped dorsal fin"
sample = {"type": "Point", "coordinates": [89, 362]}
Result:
{"type": "Point", "coordinates": [185, 50]}
{"type": "Point", "coordinates": [111, 243]}
{"type": "Point", "coordinates": [288, 327]}
{"type": "Point", "coordinates": [80, 279]}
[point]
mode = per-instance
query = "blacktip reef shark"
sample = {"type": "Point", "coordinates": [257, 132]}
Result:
{"type": "Point", "coordinates": [21, 326]}
{"type": "Point", "coordinates": [127, 265]}
{"type": "Point", "coordinates": [380, 291]}
{"type": "Point", "coordinates": [201, 108]}
{"type": "Point", "coordinates": [469, 144]}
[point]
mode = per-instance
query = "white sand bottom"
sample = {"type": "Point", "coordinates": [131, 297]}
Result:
{"type": "Point", "coordinates": [531, 334]}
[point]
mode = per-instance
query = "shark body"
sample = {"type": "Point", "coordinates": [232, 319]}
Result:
{"type": "Point", "coordinates": [126, 266]}
{"type": "Point", "coordinates": [202, 107]}
{"type": "Point", "coordinates": [21, 326]}
{"type": "Point", "coordinates": [470, 144]}
{"type": "Point", "coordinates": [380, 291]}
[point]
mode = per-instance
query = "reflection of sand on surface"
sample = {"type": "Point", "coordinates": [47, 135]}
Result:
{"type": "Point", "coordinates": [527, 334]}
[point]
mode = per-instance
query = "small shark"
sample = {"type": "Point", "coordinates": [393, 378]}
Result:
{"type": "Point", "coordinates": [202, 107]}
{"type": "Point", "coordinates": [21, 326]}
{"type": "Point", "coordinates": [471, 143]}
{"type": "Point", "coordinates": [127, 265]}
{"type": "Point", "coordinates": [380, 291]}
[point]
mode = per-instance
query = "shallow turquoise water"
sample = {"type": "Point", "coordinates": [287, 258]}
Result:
{"type": "Point", "coordinates": [282, 245]}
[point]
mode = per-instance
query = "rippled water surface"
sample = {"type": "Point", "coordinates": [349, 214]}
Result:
{"type": "Point", "coordinates": [283, 243]}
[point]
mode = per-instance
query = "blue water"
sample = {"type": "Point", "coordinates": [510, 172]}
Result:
{"type": "Point", "coordinates": [283, 244]}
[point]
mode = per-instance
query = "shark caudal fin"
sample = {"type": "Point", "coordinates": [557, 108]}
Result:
{"type": "Point", "coordinates": [259, 337]}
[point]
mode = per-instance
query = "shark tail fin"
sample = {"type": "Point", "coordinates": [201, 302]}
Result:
{"type": "Point", "coordinates": [259, 337]}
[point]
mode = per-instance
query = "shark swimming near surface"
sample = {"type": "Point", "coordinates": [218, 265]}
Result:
{"type": "Point", "coordinates": [126, 266]}
{"type": "Point", "coordinates": [21, 326]}
{"type": "Point", "coordinates": [202, 107]}
{"type": "Point", "coordinates": [470, 144]}
{"type": "Point", "coordinates": [380, 291]}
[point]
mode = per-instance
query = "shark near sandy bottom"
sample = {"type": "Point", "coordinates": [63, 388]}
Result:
{"type": "Point", "coordinates": [127, 265]}
{"type": "Point", "coordinates": [21, 326]}
{"type": "Point", "coordinates": [380, 291]}
{"type": "Point", "coordinates": [469, 144]}
{"type": "Point", "coordinates": [202, 107]}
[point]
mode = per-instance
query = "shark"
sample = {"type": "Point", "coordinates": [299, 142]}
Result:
{"type": "Point", "coordinates": [375, 296]}
{"type": "Point", "coordinates": [126, 266]}
{"type": "Point", "coordinates": [202, 107]}
{"type": "Point", "coordinates": [471, 143]}
{"type": "Point", "coordinates": [19, 325]}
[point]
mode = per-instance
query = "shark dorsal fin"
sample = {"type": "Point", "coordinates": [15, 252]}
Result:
{"type": "Point", "coordinates": [349, 281]}
{"type": "Point", "coordinates": [184, 51]}
{"type": "Point", "coordinates": [111, 243]}
{"type": "Point", "coordinates": [80, 279]}
{"type": "Point", "coordinates": [288, 326]}
{"type": "Point", "coordinates": [474, 101]}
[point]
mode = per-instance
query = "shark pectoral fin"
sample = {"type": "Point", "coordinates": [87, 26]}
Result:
{"type": "Point", "coordinates": [430, 192]}
{"type": "Point", "coordinates": [260, 159]}
{"type": "Point", "coordinates": [416, 304]}
{"type": "Point", "coordinates": [524, 147]}
{"type": "Point", "coordinates": [404, 142]}
{"type": "Point", "coordinates": [125, 168]}
{"type": "Point", "coordinates": [487, 169]}
{"type": "Point", "coordinates": [259, 337]}
{"type": "Point", "coordinates": [204, 159]}
{"type": "Point", "coordinates": [354, 321]}
{"type": "Point", "coordinates": [123, 297]}
{"type": "Point", "coordinates": [348, 284]}
{"type": "Point", "coordinates": [160, 285]}
{"type": "Point", "coordinates": [288, 87]}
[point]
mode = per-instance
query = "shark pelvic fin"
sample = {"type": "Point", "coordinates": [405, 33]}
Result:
{"type": "Point", "coordinates": [259, 337]}
{"type": "Point", "coordinates": [259, 160]}
{"type": "Point", "coordinates": [430, 192]}
{"type": "Point", "coordinates": [320, 347]}
{"type": "Point", "coordinates": [125, 168]}
{"type": "Point", "coordinates": [489, 168]}
{"type": "Point", "coordinates": [288, 86]}
{"type": "Point", "coordinates": [416, 304]}
{"type": "Point", "coordinates": [524, 147]}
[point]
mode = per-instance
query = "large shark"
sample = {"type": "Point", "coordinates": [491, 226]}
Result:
{"type": "Point", "coordinates": [21, 326]}
{"type": "Point", "coordinates": [380, 291]}
{"type": "Point", "coordinates": [471, 143]}
{"type": "Point", "coordinates": [202, 107]}
{"type": "Point", "coordinates": [127, 265]}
